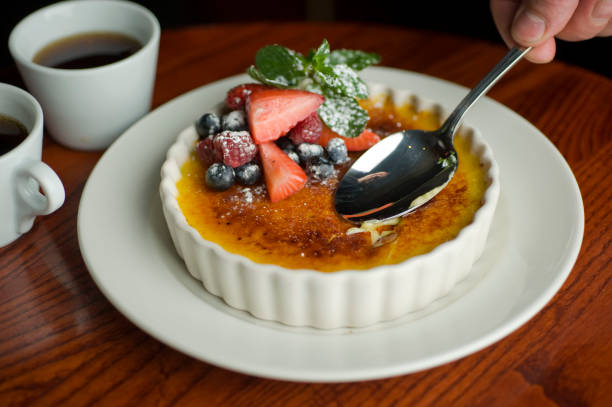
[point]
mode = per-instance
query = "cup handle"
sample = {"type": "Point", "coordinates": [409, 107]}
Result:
{"type": "Point", "coordinates": [31, 177]}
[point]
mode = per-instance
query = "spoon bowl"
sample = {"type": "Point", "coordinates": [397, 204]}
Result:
{"type": "Point", "coordinates": [407, 169]}
{"type": "Point", "coordinates": [396, 176]}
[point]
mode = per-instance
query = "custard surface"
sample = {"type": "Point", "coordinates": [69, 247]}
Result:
{"type": "Point", "coordinates": [304, 231]}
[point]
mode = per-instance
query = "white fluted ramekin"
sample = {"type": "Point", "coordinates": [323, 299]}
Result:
{"type": "Point", "coordinates": [347, 298]}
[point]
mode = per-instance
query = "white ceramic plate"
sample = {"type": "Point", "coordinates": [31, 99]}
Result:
{"type": "Point", "coordinates": [533, 243]}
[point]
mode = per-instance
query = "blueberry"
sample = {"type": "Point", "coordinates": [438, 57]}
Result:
{"type": "Point", "coordinates": [284, 143]}
{"type": "Point", "coordinates": [234, 121]}
{"type": "Point", "coordinates": [220, 176]}
{"type": "Point", "coordinates": [208, 125]}
{"type": "Point", "coordinates": [319, 167]}
{"type": "Point", "coordinates": [293, 155]}
{"type": "Point", "coordinates": [248, 174]}
{"type": "Point", "coordinates": [307, 151]}
{"type": "Point", "coordinates": [336, 150]}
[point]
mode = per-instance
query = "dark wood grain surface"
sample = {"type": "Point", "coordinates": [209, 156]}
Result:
{"type": "Point", "coordinates": [63, 343]}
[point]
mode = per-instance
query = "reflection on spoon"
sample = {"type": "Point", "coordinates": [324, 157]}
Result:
{"type": "Point", "coordinates": [407, 169]}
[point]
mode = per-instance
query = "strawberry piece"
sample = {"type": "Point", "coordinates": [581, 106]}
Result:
{"type": "Point", "coordinates": [237, 96]}
{"type": "Point", "coordinates": [307, 131]}
{"type": "Point", "coordinates": [365, 140]}
{"type": "Point", "coordinates": [206, 152]}
{"type": "Point", "coordinates": [273, 112]}
{"type": "Point", "coordinates": [283, 176]}
{"type": "Point", "coordinates": [234, 147]}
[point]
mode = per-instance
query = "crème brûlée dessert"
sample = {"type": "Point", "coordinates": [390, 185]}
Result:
{"type": "Point", "coordinates": [304, 231]}
{"type": "Point", "coordinates": [248, 196]}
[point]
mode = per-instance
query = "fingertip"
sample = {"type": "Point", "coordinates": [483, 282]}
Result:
{"type": "Point", "coordinates": [528, 27]}
{"type": "Point", "coordinates": [543, 53]}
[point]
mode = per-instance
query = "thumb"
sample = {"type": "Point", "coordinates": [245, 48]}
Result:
{"type": "Point", "coordinates": [537, 21]}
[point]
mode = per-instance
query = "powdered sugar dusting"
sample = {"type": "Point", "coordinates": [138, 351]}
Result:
{"type": "Point", "coordinates": [234, 120]}
{"type": "Point", "coordinates": [245, 197]}
{"type": "Point", "coordinates": [236, 147]}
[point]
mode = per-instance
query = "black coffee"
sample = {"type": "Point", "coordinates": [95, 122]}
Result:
{"type": "Point", "coordinates": [12, 133]}
{"type": "Point", "coordinates": [87, 50]}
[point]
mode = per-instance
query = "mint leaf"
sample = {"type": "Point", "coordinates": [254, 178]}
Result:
{"type": "Point", "coordinates": [330, 73]}
{"type": "Point", "coordinates": [340, 80]}
{"type": "Point", "coordinates": [355, 59]}
{"type": "Point", "coordinates": [343, 115]}
{"type": "Point", "coordinates": [255, 74]}
{"type": "Point", "coordinates": [310, 86]}
{"type": "Point", "coordinates": [318, 57]}
{"type": "Point", "coordinates": [278, 66]}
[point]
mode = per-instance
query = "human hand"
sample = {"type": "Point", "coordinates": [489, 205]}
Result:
{"type": "Point", "coordinates": [536, 23]}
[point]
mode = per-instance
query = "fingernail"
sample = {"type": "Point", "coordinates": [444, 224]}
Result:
{"type": "Point", "coordinates": [528, 27]}
{"type": "Point", "coordinates": [602, 10]}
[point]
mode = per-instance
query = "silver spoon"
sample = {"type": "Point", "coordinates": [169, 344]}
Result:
{"type": "Point", "coordinates": [406, 169]}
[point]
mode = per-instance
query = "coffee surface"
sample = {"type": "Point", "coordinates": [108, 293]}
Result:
{"type": "Point", "coordinates": [87, 50]}
{"type": "Point", "coordinates": [12, 133]}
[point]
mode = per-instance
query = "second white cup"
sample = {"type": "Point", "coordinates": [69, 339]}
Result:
{"type": "Point", "coordinates": [28, 186]}
{"type": "Point", "coordinates": [87, 109]}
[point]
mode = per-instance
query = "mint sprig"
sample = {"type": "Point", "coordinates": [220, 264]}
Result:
{"type": "Point", "coordinates": [343, 115]}
{"type": "Point", "coordinates": [355, 59]}
{"type": "Point", "coordinates": [278, 66]}
{"type": "Point", "coordinates": [330, 73]}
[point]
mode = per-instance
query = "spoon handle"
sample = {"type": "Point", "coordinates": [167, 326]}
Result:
{"type": "Point", "coordinates": [452, 122]}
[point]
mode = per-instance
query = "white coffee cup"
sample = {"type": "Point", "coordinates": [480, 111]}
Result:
{"type": "Point", "coordinates": [87, 109]}
{"type": "Point", "coordinates": [22, 173]}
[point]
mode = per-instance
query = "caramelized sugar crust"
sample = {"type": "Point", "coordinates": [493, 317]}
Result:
{"type": "Point", "coordinates": [304, 231]}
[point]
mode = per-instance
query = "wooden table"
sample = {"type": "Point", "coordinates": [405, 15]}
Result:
{"type": "Point", "coordinates": [63, 343]}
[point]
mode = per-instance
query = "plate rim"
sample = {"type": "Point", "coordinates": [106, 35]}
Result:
{"type": "Point", "coordinates": [313, 375]}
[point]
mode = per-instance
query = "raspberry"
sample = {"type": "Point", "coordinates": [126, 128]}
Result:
{"type": "Point", "coordinates": [307, 131]}
{"type": "Point", "coordinates": [235, 147]}
{"type": "Point", "coordinates": [206, 152]}
{"type": "Point", "coordinates": [236, 97]}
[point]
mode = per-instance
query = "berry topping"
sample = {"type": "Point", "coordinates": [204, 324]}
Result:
{"type": "Point", "coordinates": [308, 130]}
{"type": "Point", "coordinates": [248, 174]}
{"type": "Point", "coordinates": [273, 112]}
{"type": "Point", "coordinates": [283, 176]}
{"type": "Point", "coordinates": [293, 155]}
{"type": "Point", "coordinates": [336, 150]}
{"type": "Point", "coordinates": [236, 97]}
{"type": "Point", "coordinates": [362, 142]}
{"type": "Point", "coordinates": [319, 167]}
{"type": "Point", "coordinates": [306, 151]}
{"type": "Point", "coordinates": [219, 176]}
{"type": "Point", "coordinates": [284, 143]}
{"type": "Point", "coordinates": [208, 125]}
{"type": "Point", "coordinates": [206, 152]}
{"type": "Point", "coordinates": [234, 121]}
{"type": "Point", "coordinates": [235, 147]}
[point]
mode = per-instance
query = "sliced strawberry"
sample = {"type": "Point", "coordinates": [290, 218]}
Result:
{"type": "Point", "coordinates": [236, 97]}
{"type": "Point", "coordinates": [365, 140]}
{"type": "Point", "coordinates": [283, 176]}
{"type": "Point", "coordinates": [273, 112]}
